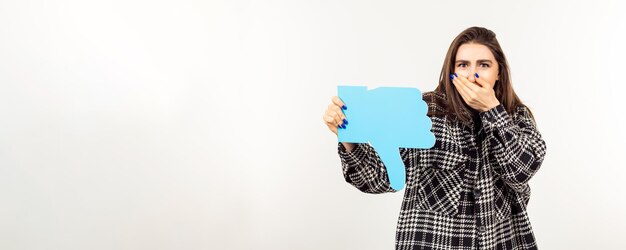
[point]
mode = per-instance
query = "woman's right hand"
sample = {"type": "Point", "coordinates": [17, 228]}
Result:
{"type": "Point", "coordinates": [334, 117]}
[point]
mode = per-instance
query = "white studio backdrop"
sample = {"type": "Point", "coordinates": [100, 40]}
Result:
{"type": "Point", "coordinates": [198, 124]}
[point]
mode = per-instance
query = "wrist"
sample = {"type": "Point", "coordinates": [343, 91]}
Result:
{"type": "Point", "coordinates": [491, 106]}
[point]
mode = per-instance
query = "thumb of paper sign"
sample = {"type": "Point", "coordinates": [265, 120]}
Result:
{"type": "Point", "coordinates": [393, 162]}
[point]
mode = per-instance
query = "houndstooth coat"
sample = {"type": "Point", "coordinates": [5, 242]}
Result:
{"type": "Point", "coordinates": [470, 190]}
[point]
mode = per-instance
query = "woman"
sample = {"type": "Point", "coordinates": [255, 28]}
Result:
{"type": "Point", "coordinates": [470, 190]}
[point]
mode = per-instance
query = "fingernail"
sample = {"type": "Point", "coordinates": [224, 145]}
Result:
{"type": "Point", "coordinates": [451, 76]}
{"type": "Point", "coordinates": [476, 74]}
{"type": "Point", "coordinates": [456, 75]}
{"type": "Point", "coordinates": [345, 121]}
{"type": "Point", "coordinates": [344, 107]}
{"type": "Point", "coordinates": [338, 126]}
{"type": "Point", "coordinates": [343, 126]}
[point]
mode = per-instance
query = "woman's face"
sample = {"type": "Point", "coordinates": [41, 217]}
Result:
{"type": "Point", "coordinates": [476, 58]}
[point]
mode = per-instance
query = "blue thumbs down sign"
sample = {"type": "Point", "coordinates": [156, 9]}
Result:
{"type": "Point", "coordinates": [388, 118]}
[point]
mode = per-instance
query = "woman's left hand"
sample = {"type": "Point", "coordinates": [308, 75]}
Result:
{"type": "Point", "coordinates": [480, 96]}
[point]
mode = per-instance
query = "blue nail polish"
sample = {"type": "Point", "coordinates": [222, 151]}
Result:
{"type": "Point", "coordinates": [345, 121]}
{"type": "Point", "coordinates": [456, 75]}
{"type": "Point", "coordinates": [338, 126]}
{"type": "Point", "coordinates": [343, 126]}
{"type": "Point", "coordinates": [344, 107]}
{"type": "Point", "coordinates": [476, 74]}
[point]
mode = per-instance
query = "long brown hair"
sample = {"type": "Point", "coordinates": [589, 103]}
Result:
{"type": "Point", "coordinates": [455, 105]}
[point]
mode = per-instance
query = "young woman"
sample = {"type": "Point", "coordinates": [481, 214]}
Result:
{"type": "Point", "coordinates": [470, 190]}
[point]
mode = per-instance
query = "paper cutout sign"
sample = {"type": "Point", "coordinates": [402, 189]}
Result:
{"type": "Point", "coordinates": [389, 118]}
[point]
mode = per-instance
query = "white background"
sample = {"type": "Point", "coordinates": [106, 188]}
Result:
{"type": "Point", "coordinates": [198, 124]}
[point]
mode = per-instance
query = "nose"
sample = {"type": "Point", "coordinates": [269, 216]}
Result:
{"type": "Point", "coordinates": [471, 75]}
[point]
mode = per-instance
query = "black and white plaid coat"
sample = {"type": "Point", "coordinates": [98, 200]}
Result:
{"type": "Point", "coordinates": [470, 190]}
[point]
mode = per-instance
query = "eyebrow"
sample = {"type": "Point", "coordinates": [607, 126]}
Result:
{"type": "Point", "coordinates": [478, 61]}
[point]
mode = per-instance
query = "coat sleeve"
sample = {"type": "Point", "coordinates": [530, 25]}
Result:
{"type": "Point", "coordinates": [516, 145]}
{"type": "Point", "coordinates": [363, 168]}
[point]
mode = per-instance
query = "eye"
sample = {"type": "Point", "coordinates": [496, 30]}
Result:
{"type": "Point", "coordinates": [485, 64]}
{"type": "Point", "coordinates": [461, 64]}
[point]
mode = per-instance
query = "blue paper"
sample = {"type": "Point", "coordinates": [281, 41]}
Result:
{"type": "Point", "coordinates": [388, 118]}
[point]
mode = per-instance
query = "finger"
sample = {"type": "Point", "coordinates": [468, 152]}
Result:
{"type": "Point", "coordinates": [332, 114]}
{"type": "Point", "coordinates": [461, 91]}
{"type": "Point", "coordinates": [483, 83]}
{"type": "Point", "coordinates": [478, 82]}
{"type": "Point", "coordinates": [338, 118]}
{"type": "Point", "coordinates": [339, 111]}
{"type": "Point", "coordinates": [330, 120]}
{"type": "Point", "coordinates": [334, 107]}
{"type": "Point", "coordinates": [471, 87]}
{"type": "Point", "coordinates": [335, 113]}
{"type": "Point", "coordinates": [460, 88]}
{"type": "Point", "coordinates": [339, 102]}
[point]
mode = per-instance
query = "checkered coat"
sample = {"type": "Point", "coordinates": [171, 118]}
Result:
{"type": "Point", "coordinates": [470, 190]}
